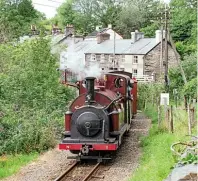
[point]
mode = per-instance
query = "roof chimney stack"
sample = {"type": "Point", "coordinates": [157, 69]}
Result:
{"type": "Point", "coordinates": [158, 35]}
{"type": "Point", "coordinates": [69, 30]}
{"type": "Point", "coordinates": [135, 36]}
{"type": "Point", "coordinates": [102, 37]}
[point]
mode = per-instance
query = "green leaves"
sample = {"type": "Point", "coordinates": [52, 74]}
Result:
{"type": "Point", "coordinates": [183, 24]}
{"type": "Point", "coordinates": [190, 88]}
{"type": "Point", "coordinates": [86, 15]}
{"type": "Point", "coordinates": [16, 18]}
{"type": "Point", "coordinates": [32, 101]}
{"type": "Point", "coordinates": [189, 65]}
{"type": "Point", "coordinates": [190, 158]}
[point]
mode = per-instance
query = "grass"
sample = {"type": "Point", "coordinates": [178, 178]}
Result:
{"type": "Point", "coordinates": [157, 159]}
{"type": "Point", "coordinates": [10, 165]}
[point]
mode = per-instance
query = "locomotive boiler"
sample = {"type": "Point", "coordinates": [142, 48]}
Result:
{"type": "Point", "coordinates": [100, 116]}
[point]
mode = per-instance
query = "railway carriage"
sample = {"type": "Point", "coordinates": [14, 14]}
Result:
{"type": "Point", "coordinates": [100, 116]}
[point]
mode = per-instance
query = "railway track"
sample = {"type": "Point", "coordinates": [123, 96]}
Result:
{"type": "Point", "coordinates": [80, 172]}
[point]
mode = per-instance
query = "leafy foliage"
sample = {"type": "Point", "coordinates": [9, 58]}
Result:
{"type": "Point", "coordinates": [183, 24]}
{"type": "Point", "coordinates": [124, 16]}
{"type": "Point", "coordinates": [136, 15]}
{"type": "Point", "coordinates": [189, 90]}
{"type": "Point", "coordinates": [16, 18]}
{"type": "Point", "coordinates": [149, 93]}
{"type": "Point", "coordinates": [190, 158]}
{"type": "Point", "coordinates": [31, 99]}
{"type": "Point", "coordinates": [85, 15]}
{"type": "Point", "coordinates": [149, 31]}
{"type": "Point", "coordinates": [190, 69]}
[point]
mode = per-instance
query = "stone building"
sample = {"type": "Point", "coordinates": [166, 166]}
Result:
{"type": "Point", "coordinates": [139, 55]}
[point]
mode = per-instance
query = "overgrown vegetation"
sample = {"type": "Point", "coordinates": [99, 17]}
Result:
{"type": "Point", "coordinates": [11, 164]}
{"type": "Point", "coordinates": [32, 100]}
{"type": "Point", "coordinates": [157, 159]}
{"type": "Point", "coordinates": [16, 18]}
{"type": "Point", "coordinates": [190, 69]}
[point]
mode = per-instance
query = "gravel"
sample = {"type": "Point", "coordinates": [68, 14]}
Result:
{"type": "Point", "coordinates": [51, 164]}
{"type": "Point", "coordinates": [127, 158]}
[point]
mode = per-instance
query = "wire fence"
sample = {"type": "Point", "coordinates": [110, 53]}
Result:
{"type": "Point", "coordinates": [169, 116]}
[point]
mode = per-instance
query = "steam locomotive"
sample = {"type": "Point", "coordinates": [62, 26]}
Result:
{"type": "Point", "coordinates": [100, 116]}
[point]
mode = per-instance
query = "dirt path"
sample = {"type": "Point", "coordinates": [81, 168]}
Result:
{"type": "Point", "coordinates": [51, 164]}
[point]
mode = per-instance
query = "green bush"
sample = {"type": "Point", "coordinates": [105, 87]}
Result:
{"type": "Point", "coordinates": [149, 93]}
{"type": "Point", "coordinates": [176, 81]}
{"type": "Point", "coordinates": [32, 100]}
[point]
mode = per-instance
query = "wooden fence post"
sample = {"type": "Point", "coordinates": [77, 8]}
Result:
{"type": "Point", "coordinates": [159, 116]}
{"type": "Point", "coordinates": [189, 120]}
{"type": "Point", "coordinates": [185, 103]}
{"type": "Point", "coordinates": [168, 117]}
{"type": "Point", "coordinates": [165, 111]}
{"type": "Point", "coordinates": [193, 115]}
{"type": "Point", "coordinates": [171, 121]}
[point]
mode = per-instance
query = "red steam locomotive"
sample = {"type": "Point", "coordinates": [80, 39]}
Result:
{"type": "Point", "coordinates": [99, 117]}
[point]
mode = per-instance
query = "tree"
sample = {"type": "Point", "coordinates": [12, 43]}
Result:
{"type": "Point", "coordinates": [85, 15]}
{"type": "Point", "coordinates": [149, 31]}
{"type": "Point", "coordinates": [189, 65]}
{"type": "Point", "coordinates": [16, 18]}
{"type": "Point", "coordinates": [183, 19]}
{"type": "Point", "coordinates": [32, 101]}
{"type": "Point", "coordinates": [136, 15]}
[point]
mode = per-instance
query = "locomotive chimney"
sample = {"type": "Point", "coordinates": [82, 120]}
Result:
{"type": "Point", "coordinates": [90, 89]}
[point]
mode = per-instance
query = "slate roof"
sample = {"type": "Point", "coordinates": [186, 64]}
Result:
{"type": "Point", "coordinates": [124, 46]}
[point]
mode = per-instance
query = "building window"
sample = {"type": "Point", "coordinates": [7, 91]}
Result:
{"type": "Point", "coordinates": [98, 57]}
{"type": "Point", "coordinates": [88, 57]}
{"type": "Point", "coordinates": [135, 71]}
{"type": "Point", "coordinates": [135, 59]}
{"type": "Point", "coordinates": [93, 57]}
{"type": "Point", "coordinates": [111, 58]}
{"type": "Point", "coordinates": [106, 58]}
{"type": "Point", "coordinates": [123, 58]}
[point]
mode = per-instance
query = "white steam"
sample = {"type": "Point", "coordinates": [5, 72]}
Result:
{"type": "Point", "coordinates": [76, 63]}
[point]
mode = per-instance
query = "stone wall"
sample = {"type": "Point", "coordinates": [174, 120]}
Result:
{"type": "Point", "coordinates": [152, 60]}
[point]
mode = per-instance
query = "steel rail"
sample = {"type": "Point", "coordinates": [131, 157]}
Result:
{"type": "Point", "coordinates": [88, 176]}
{"type": "Point", "coordinates": [66, 172]}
